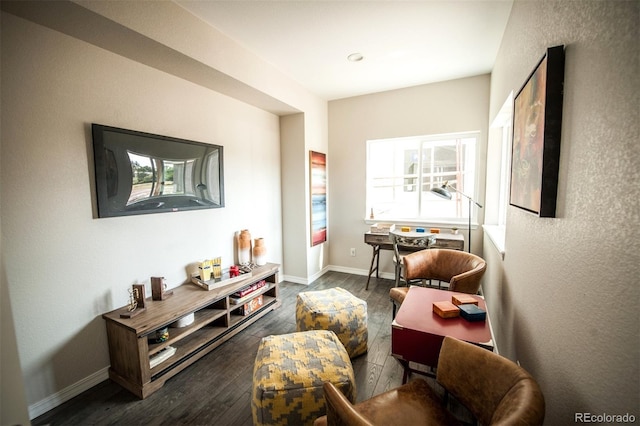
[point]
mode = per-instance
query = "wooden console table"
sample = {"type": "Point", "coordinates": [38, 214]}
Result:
{"type": "Point", "coordinates": [216, 320]}
{"type": "Point", "coordinates": [383, 242]}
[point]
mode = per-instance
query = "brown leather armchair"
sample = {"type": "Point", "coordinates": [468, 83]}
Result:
{"type": "Point", "coordinates": [460, 269]}
{"type": "Point", "coordinates": [494, 389]}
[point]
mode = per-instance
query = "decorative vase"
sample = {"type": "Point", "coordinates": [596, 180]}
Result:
{"type": "Point", "coordinates": [244, 247]}
{"type": "Point", "coordinates": [259, 252]}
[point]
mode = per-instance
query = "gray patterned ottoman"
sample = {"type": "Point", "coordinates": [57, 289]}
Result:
{"type": "Point", "coordinates": [337, 310]}
{"type": "Point", "coordinates": [288, 374]}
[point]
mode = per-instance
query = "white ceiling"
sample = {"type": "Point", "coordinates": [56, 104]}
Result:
{"type": "Point", "coordinates": [404, 43]}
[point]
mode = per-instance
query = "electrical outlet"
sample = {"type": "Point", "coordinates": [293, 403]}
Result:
{"type": "Point", "coordinates": [353, 251]}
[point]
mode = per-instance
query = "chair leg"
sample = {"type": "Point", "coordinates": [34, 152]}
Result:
{"type": "Point", "coordinates": [397, 275]}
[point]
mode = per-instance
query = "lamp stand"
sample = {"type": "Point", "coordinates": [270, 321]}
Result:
{"type": "Point", "coordinates": [442, 191]}
{"type": "Point", "coordinates": [469, 230]}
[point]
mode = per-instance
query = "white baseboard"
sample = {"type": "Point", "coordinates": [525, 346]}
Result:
{"type": "Point", "coordinates": [295, 280]}
{"type": "Point", "coordinates": [306, 281]}
{"type": "Point", "coordinates": [67, 393]}
{"type": "Point", "coordinates": [346, 270]}
{"type": "Point", "coordinates": [365, 272]}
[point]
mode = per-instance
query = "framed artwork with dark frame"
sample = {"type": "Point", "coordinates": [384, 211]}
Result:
{"type": "Point", "coordinates": [537, 125]}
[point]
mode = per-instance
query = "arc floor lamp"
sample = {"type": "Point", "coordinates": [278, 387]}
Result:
{"type": "Point", "coordinates": [444, 192]}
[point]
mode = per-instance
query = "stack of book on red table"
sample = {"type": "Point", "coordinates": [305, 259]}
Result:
{"type": "Point", "coordinates": [461, 305]}
{"type": "Point", "coordinates": [240, 296]}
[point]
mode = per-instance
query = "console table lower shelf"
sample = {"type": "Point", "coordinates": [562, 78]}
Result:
{"type": "Point", "coordinates": [133, 347]}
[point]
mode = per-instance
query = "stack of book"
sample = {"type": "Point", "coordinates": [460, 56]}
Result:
{"type": "Point", "coordinates": [464, 306]}
{"type": "Point", "coordinates": [163, 355]}
{"type": "Point", "coordinates": [251, 306]}
{"type": "Point", "coordinates": [382, 228]}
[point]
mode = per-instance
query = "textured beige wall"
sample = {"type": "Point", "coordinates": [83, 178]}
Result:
{"type": "Point", "coordinates": [565, 300]}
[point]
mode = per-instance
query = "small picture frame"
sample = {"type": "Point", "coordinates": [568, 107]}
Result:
{"type": "Point", "coordinates": [138, 294]}
{"type": "Point", "coordinates": [159, 289]}
{"type": "Point", "coordinates": [136, 302]}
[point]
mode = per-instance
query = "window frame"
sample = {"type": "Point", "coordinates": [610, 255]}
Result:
{"type": "Point", "coordinates": [471, 178]}
{"type": "Point", "coordinates": [496, 224]}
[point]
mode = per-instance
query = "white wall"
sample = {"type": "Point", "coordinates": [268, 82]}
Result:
{"type": "Point", "coordinates": [453, 106]}
{"type": "Point", "coordinates": [13, 402]}
{"type": "Point", "coordinates": [294, 193]}
{"type": "Point", "coordinates": [565, 300]}
{"type": "Point", "coordinates": [64, 268]}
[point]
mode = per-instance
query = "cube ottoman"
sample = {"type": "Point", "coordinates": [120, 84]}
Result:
{"type": "Point", "coordinates": [337, 310]}
{"type": "Point", "coordinates": [288, 375]}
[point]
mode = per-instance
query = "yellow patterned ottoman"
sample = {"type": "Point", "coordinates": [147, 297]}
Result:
{"type": "Point", "coordinates": [337, 310]}
{"type": "Point", "coordinates": [288, 375]}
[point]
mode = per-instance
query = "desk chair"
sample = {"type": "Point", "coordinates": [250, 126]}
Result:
{"type": "Point", "coordinates": [460, 269]}
{"type": "Point", "coordinates": [494, 389]}
{"type": "Point", "coordinates": [405, 243]}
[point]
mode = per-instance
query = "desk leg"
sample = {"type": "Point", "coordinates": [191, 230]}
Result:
{"type": "Point", "coordinates": [408, 371]}
{"type": "Point", "coordinates": [375, 258]}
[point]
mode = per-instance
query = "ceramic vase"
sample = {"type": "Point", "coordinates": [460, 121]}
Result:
{"type": "Point", "coordinates": [244, 247]}
{"type": "Point", "coordinates": [259, 252]}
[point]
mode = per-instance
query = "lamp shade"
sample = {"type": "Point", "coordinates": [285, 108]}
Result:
{"type": "Point", "coordinates": [441, 191]}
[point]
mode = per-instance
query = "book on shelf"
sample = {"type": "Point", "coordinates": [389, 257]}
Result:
{"type": "Point", "coordinates": [251, 306]}
{"type": "Point", "coordinates": [234, 300]}
{"type": "Point", "coordinates": [161, 356]}
{"type": "Point", "coordinates": [249, 289]}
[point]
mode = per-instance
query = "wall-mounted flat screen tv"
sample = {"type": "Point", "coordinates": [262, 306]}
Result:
{"type": "Point", "coordinates": [140, 173]}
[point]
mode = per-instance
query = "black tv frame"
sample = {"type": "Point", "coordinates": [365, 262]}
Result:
{"type": "Point", "coordinates": [113, 180]}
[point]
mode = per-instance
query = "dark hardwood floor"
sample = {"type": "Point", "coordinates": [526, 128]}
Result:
{"type": "Point", "coordinates": [216, 390]}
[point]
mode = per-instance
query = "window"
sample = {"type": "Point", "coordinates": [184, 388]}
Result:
{"type": "Point", "coordinates": [498, 174]}
{"type": "Point", "coordinates": [401, 172]}
{"type": "Point", "coordinates": [502, 124]}
{"type": "Point", "coordinates": [505, 171]}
